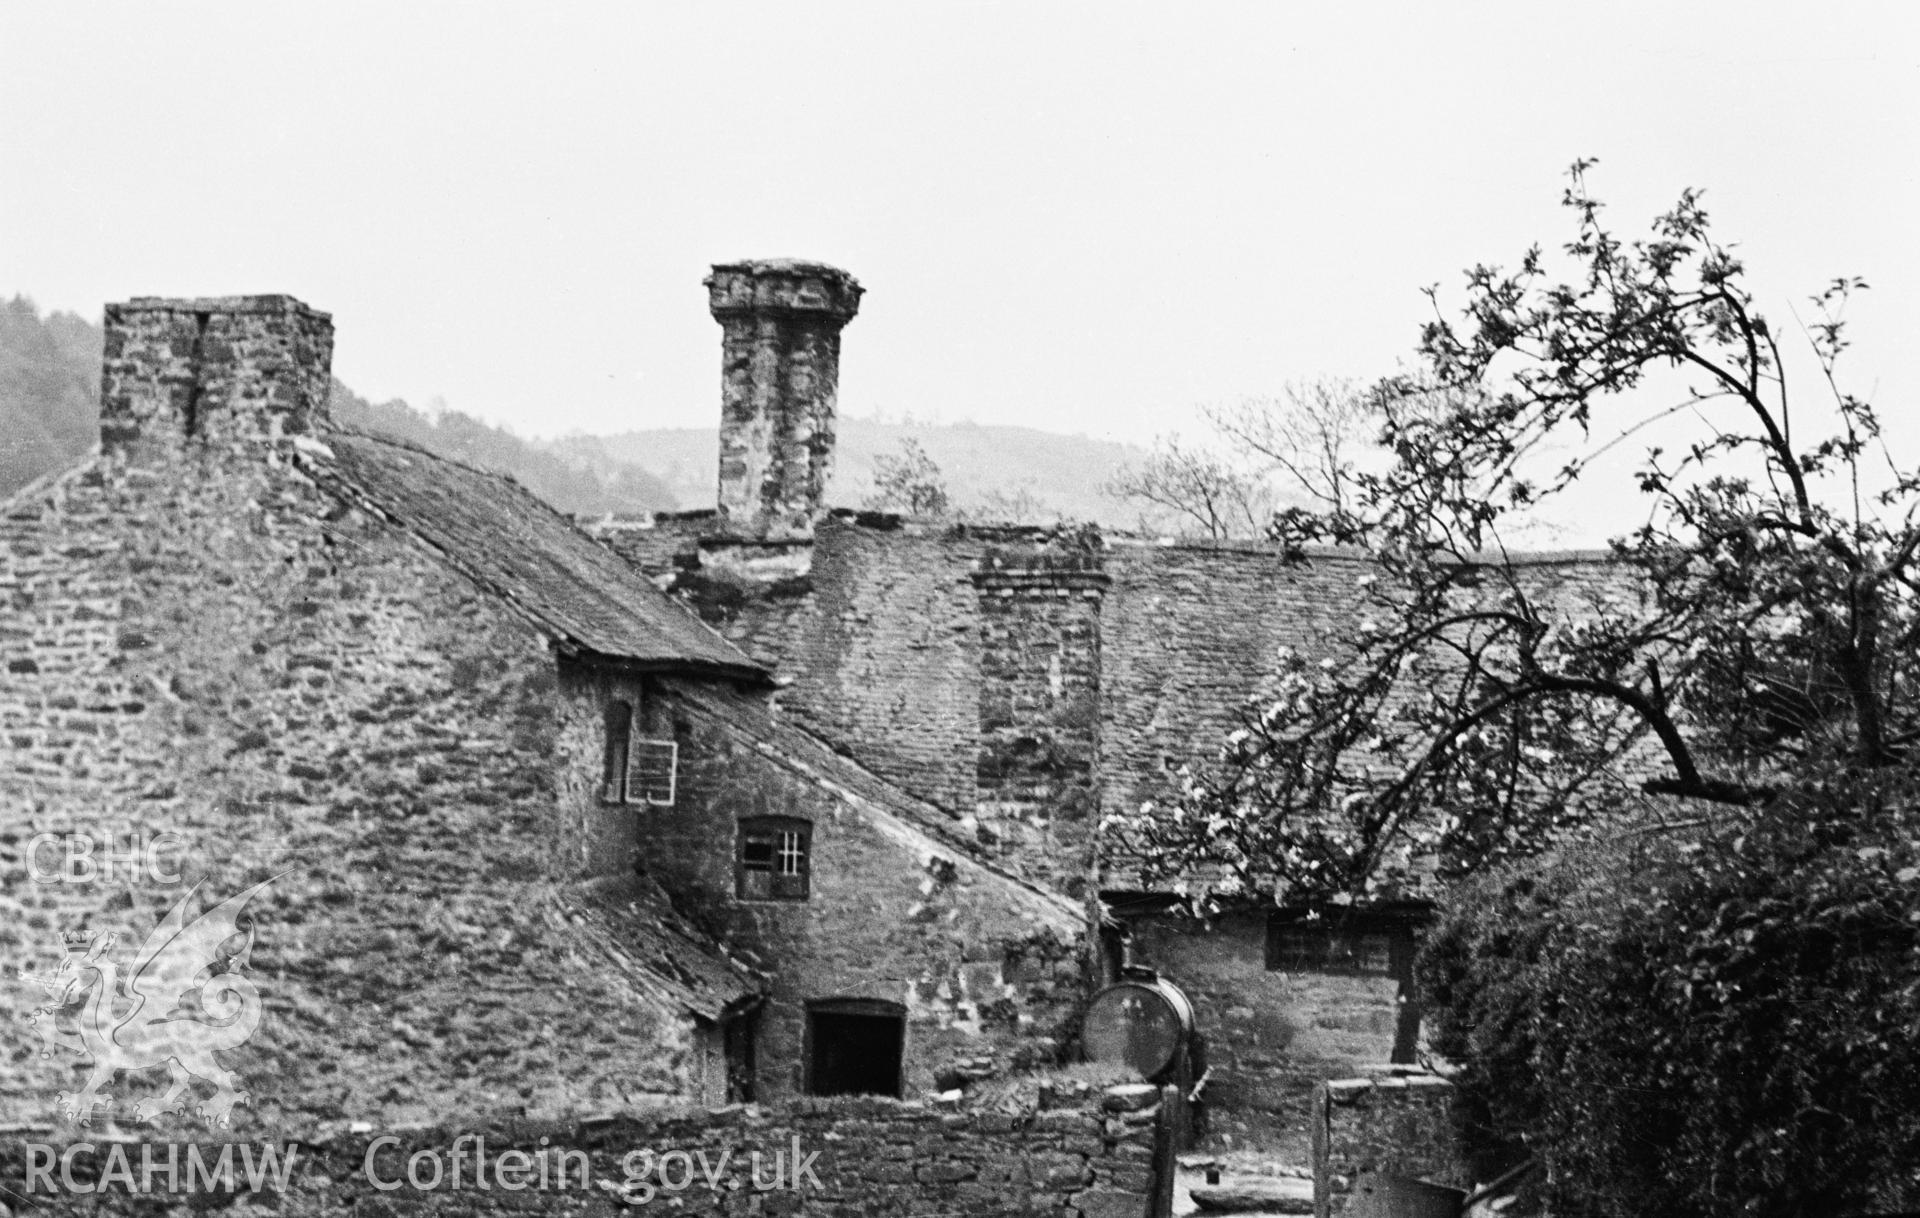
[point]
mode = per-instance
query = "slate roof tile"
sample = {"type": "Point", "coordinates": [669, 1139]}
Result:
{"type": "Point", "coordinates": [509, 542]}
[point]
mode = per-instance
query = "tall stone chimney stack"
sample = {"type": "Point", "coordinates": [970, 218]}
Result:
{"type": "Point", "coordinates": [780, 372]}
{"type": "Point", "coordinates": [215, 371]}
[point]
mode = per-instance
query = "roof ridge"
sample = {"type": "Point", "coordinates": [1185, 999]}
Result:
{"type": "Point", "coordinates": [361, 433]}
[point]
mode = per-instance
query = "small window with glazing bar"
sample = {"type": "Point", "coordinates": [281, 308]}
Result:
{"type": "Point", "coordinates": [774, 862]}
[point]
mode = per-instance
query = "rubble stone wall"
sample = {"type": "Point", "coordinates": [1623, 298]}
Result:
{"type": "Point", "coordinates": [780, 377]}
{"type": "Point", "coordinates": [886, 655]}
{"type": "Point", "coordinates": [962, 664]}
{"type": "Point", "coordinates": [1037, 789]}
{"type": "Point", "coordinates": [889, 916]}
{"type": "Point", "coordinates": [1190, 632]}
{"type": "Point", "coordinates": [827, 1158]}
{"type": "Point", "coordinates": [959, 662]}
{"type": "Point", "coordinates": [1399, 1125]}
{"type": "Point", "coordinates": [209, 661]}
{"type": "Point", "coordinates": [288, 690]}
{"type": "Point", "coordinates": [248, 367]}
{"type": "Point", "coordinates": [1271, 1037]}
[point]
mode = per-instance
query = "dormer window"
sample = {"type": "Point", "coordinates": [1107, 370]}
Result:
{"type": "Point", "coordinates": [636, 770]}
{"type": "Point", "coordinates": [775, 859]}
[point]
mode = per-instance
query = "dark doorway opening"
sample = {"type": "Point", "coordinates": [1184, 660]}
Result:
{"type": "Point", "coordinates": [855, 1047]}
{"type": "Point", "coordinates": [737, 1037]}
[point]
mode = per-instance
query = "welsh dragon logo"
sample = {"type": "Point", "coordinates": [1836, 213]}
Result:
{"type": "Point", "coordinates": [179, 1000]}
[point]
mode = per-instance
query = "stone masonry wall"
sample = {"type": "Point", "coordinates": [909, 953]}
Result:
{"type": "Point", "coordinates": [962, 664]}
{"type": "Point", "coordinates": [827, 1158]}
{"type": "Point", "coordinates": [1191, 632]}
{"type": "Point", "coordinates": [208, 646]}
{"type": "Point", "coordinates": [1271, 1037]}
{"type": "Point", "coordinates": [947, 660]}
{"type": "Point", "coordinates": [660, 547]}
{"type": "Point", "coordinates": [987, 986]}
{"type": "Point", "coordinates": [780, 375]}
{"type": "Point", "coordinates": [753, 592]}
{"type": "Point", "coordinates": [216, 369]}
{"type": "Point", "coordinates": [1399, 1125]}
{"type": "Point", "coordinates": [1037, 789]}
{"type": "Point", "coordinates": [900, 643]}
{"type": "Point", "coordinates": [594, 837]}
{"type": "Point", "coordinates": [980, 668]}
{"type": "Point", "coordinates": [886, 655]}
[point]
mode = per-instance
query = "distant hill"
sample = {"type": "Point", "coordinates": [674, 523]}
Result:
{"type": "Point", "coordinates": [991, 472]}
{"type": "Point", "coordinates": [49, 391]}
{"type": "Point", "coordinates": [568, 484]}
{"type": "Point", "coordinates": [50, 419]}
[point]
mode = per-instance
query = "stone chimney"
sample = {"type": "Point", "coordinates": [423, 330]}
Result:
{"type": "Point", "coordinates": [780, 372]}
{"type": "Point", "coordinates": [214, 370]}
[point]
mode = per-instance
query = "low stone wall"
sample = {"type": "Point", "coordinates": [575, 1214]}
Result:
{"type": "Point", "coordinates": [1398, 1124]}
{"type": "Point", "coordinates": [836, 1158]}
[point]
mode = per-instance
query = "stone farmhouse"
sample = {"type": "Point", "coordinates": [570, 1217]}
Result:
{"type": "Point", "coordinates": [764, 801]}
{"type": "Point", "coordinates": [456, 733]}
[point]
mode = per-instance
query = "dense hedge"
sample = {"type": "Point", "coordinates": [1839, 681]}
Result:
{"type": "Point", "coordinates": [1721, 1020]}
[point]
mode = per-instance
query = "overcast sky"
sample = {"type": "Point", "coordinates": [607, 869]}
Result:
{"type": "Point", "coordinates": [1082, 218]}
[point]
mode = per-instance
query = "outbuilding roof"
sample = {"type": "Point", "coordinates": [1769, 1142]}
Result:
{"type": "Point", "coordinates": [510, 543]}
{"type": "Point", "coordinates": [634, 920]}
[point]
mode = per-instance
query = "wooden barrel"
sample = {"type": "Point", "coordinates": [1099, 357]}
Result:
{"type": "Point", "coordinates": [1143, 1022]}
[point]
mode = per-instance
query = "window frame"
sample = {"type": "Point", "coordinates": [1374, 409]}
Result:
{"type": "Point", "coordinates": [1345, 942]}
{"type": "Point", "coordinates": [623, 750]}
{"type": "Point", "coordinates": [782, 849]}
{"type": "Point", "coordinates": [637, 748]}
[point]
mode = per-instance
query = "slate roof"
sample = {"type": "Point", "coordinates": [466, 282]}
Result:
{"type": "Point", "coordinates": [505, 539]}
{"type": "Point", "coordinates": [633, 919]}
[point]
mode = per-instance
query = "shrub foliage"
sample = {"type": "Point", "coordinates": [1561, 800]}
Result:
{"type": "Point", "coordinates": [1700, 1025]}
